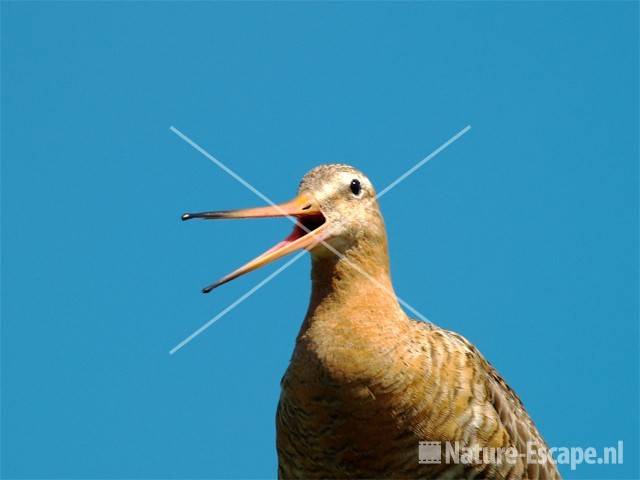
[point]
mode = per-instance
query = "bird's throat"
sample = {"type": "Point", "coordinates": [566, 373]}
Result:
{"type": "Point", "coordinates": [353, 290]}
{"type": "Point", "coordinates": [354, 320]}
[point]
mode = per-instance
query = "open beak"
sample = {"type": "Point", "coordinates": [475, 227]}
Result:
{"type": "Point", "coordinates": [307, 232]}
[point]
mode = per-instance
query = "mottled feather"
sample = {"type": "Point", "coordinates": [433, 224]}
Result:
{"type": "Point", "coordinates": [366, 383]}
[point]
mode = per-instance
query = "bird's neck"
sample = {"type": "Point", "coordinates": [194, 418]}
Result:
{"type": "Point", "coordinates": [354, 322]}
{"type": "Point", "coordinates": [352, 292]}
{"type": "Point", "coordinates": [361, 268]}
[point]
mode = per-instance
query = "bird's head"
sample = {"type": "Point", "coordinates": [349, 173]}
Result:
{"type": "Point", "coordinates": [336, 208]}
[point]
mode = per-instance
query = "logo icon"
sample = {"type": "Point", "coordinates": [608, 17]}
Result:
{"type": "Point", "coordinates": [429, 452]}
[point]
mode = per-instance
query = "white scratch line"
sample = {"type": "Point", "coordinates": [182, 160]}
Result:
{"type": "Point", "coordinates": [221, 165]}
{"type": "Point", "coordinates": [236, 303]}
{"type": "Point", "coordinates": [424, 160]}
{"type": "Point", "coordinates": [300, 254]}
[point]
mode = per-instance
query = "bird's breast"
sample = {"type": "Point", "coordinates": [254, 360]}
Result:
{"type": "Point", "coordinates": [338, 412]}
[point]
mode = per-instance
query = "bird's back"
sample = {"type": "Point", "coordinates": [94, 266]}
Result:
{"type": "Point", "coordinates": [357, 408]}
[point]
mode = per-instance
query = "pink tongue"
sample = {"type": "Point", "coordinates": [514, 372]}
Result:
{"type": "Point", "coordinates": [293, 236]}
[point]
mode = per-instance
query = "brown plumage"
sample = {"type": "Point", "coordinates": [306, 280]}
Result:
{"type": "Point", "coordinates": [366, 383]}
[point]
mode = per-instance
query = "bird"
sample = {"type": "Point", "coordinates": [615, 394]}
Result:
{"type": "Point", "coordinates": [366, 383]}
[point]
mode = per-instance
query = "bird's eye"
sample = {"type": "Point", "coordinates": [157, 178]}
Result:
{"type": "Point", "coordinates": [355, 187]}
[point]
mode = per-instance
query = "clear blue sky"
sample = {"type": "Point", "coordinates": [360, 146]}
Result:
{"type": "Point", "coordinates": [522, 236]}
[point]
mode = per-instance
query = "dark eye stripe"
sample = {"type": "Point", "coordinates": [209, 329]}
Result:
{"type": "Point", "coordinates": [356, 187]}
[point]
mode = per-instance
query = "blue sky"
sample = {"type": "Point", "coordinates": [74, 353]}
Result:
{"type": "Point", "coordinates": [522, 236]}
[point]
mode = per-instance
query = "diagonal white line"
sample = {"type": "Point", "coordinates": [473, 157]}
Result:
{"type": "Point", "coordinates": [237, 302]}
{"type": "Point", "coordinates": [424, 160]}
{"type": "Point", "coordinates": [220, 164]}
{"type": "Point", "coordinates": [235, 176]}
{"type": "Point", "coordinates": [294, 220]}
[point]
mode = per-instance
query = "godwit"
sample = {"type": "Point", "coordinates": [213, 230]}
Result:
{"type": "Point", "coordinates": [366, 383]}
